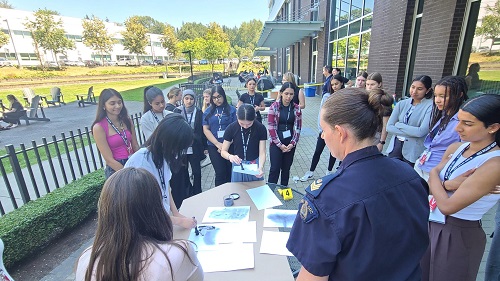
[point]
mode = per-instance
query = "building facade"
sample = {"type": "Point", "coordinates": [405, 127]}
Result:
{"type": "Point", "coordinates": [400, 39]}
{"type": "Point", "coordinates": [20, 45]}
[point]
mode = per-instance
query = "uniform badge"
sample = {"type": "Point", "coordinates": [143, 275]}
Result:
{"type": "Point", "coordinates": [308, 211]}
{"type": "Point", "coordinates": [316, 184]}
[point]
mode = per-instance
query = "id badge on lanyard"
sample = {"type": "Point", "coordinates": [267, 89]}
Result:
{"type": "Point", "coordinates": [287, 134]}
{"type": "Point", "coordinates": [424, 157]}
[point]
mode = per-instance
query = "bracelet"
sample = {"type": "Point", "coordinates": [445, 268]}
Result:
{"type": "Point", "coordinates": [443, 185]}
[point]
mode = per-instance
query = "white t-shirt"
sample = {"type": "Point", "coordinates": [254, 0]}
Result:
{"type": "Point", "coordinates": [149, 123]}
{"type": "Point", "coordinates": [143, 159]}
{"type": "Point", "coordinates": [157, 267]}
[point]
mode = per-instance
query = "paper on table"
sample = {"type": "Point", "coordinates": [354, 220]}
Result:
{"type": "Point", "coordinates": [227, 214]}
{"type": "Point", "coordinates": [249, 169]}
{"type": "Point", "coordinates": [227, 257]}
{"type": "Point", "coordinates": [263, 197]}
{"type": "Point", "coordinates": [210, 235]}
{"type": "Point", "coordinates": [279, 218]}
{"type": "Point", "coordinates": [274, 243]}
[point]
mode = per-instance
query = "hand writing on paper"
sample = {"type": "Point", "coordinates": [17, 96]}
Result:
{"type": "Point", "coordinates": [187, 222]}
{"type": "Point", "coordinates": [234, 159]}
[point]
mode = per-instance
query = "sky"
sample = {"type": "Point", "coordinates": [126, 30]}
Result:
{"type": "Point", "coordinates": [175, 12]}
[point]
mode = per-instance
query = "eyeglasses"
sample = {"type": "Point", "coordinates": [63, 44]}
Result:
{"type": "Point", "coordinates": [216, 97]}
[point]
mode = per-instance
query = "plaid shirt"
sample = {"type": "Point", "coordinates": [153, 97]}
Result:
{"type": "Point", "coordinates": [273, 118]}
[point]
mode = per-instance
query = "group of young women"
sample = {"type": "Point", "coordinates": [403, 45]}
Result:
{"type": "Point", "coordinates": [451, 143]}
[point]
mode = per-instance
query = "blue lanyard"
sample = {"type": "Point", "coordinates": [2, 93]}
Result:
{"type": "Point", "coordinates": [219, 116]}
{"type": "Point", "coordinates": [408, 114]}
{"type": "Point", "coordinates": [451, 168]}
{"type": "Point", "coordinates": [245, 144]}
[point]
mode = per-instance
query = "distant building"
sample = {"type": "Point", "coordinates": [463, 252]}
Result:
{"type": "Point", "coordinates": [399, 39]}
{"type": "Point", "coordinates": [23, 42]}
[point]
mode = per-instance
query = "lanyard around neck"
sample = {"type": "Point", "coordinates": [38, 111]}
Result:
{"type": "Point", "coordinates": [452, 168]}
{"type": "Point", "coordinates": [288, 115]}
{"type": "Point", "coordinates": [123, 135]}
{"type": "Point", "coordinates": [156, 117]}
{"type": "Point", "coordinates": [161, 174]}
{"type": "Point", "coordinates": [245, 143]}
{"type": "Point", "coordinates": [190, 118]}
{"type": "Point", "coordinates": [219, 117]}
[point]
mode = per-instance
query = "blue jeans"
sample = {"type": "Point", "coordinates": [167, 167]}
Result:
{"type": "Point", "coordinates": [493, 263]}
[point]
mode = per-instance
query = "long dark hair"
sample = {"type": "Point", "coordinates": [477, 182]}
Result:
{"type": "Point", "coordinates": [169, 141]}
{"type": "Point", "coordinates": [360, 110]}
{"type": "Point", "coordinates": [218, 89]}
{"type": "Point", "coordinates": [427, 81]}
{"type": "Point", "coordinates": [339, 78]}
{"type": "Point", "coordinates": [456, 87]}
{"type": "Point", "coordinates": [486, 108]}
{"type": "Point", "coordinates": [106, 94]}
{"type": "Point", "coordinates": [131, 217]}
{"type": "Point", "coordinates": [150, 93]}
{"type": "Point", "coordinates": [246, 112]}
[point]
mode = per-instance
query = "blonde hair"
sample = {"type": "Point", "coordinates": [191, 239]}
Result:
{"type": "Point", "coordinates": [206, 105]}
{"type": "Point", "coordinates": [290, 77]}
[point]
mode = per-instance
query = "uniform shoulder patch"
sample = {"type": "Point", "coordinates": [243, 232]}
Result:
{"type": "Point", "coordinates": [307, 210]}
{"type": "Point", "coordinates": [318, 185]}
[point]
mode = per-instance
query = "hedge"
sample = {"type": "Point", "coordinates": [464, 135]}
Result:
{"type": "Point", "coordinates": [35, 224]}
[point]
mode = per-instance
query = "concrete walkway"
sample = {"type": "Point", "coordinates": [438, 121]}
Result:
{"type": "Point", "coordinates": [63, 270]}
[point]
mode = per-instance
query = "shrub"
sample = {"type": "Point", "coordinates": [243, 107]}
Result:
{"type": "Point", "coordinates": [37, 223]}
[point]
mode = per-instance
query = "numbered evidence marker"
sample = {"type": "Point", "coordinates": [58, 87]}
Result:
{"type": "Point", "coordinates": [286, 193]}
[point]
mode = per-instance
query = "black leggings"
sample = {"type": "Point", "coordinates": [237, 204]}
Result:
{"type": "Point", "coordinates": [194, 161]}
{"type": "Point", "coordinates": [221, 166]}
{"type": "Point", "coordinates": [397, 152]}
{"type": "Point", "coordinates": [320, 145]}
{"type": "Point", "coordinates": [180, 186]}
{"type": "Point", "coordinates": [280, 162]}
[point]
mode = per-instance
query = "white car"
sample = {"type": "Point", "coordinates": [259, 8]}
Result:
{"type": "Point", "coordinates": [126, 62]}
{"type": "Point", "coordinates": [256, 59]}
{"type": "Point", "coordinates": [4, 62]}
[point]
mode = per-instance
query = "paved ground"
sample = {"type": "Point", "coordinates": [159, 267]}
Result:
{"type": "Point", "coordinates": [57, 261]}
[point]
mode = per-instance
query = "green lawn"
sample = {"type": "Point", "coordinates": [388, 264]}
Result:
{"type": "Point", "coordinates": [490, 75]}
{"type": "Point", "coordinates": [131, 90]}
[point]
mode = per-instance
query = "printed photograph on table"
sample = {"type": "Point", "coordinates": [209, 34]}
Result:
{"type": "Point", "coordinates": [279, 218]}
{"type": "Point", "coordinates": [227, 214]}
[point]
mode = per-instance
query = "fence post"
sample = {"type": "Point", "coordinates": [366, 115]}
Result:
{"type": "Point", "coordinates": [18, 174]}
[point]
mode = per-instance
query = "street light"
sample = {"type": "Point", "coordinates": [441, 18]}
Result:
{"type": "Point", "coordinates": [13, 45]}
{"type": "Point", "coordinates": [190, 63]}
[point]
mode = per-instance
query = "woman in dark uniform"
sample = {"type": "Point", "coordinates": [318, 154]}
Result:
{"type": "Point", "coordinates": [253, 98]}
{"type": "Point", "coordinates": [370, 217]}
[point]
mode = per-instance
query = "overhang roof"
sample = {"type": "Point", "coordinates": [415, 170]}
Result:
{"type": "Point", "coordinates": [264, 53]}
{"type": "Point", "coordinates": [281, 34]}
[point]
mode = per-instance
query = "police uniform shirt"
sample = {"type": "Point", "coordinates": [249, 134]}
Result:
{"type": "Point", "coordinates": [257, 131]}
{"type": "Point", "coordinates": [368, 221]}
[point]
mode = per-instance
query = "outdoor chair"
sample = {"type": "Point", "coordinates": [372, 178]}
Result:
{"type": "Point", "coordinates": [32, 111]}
{"type": "Point", "coordinates": [28, 95]}
{"type": "Point", "coordinates": [89, 98]}
{"type": "Point", "coordinates": [238, 94]}
{"type": "Point", "coordinates": [57, 97]}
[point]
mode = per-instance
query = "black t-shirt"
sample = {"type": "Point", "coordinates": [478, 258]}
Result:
{"type": "Point", "coordinates": [256, 99]}
{"type": "Point", "coordinates": [257, 132]}
{"type": "Point", "coordinates": [19, 110]}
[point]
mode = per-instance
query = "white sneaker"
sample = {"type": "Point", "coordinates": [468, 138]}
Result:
{"type": "Point", "coordinates": [307, 176]}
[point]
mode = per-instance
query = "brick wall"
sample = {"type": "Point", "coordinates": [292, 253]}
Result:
{"type": "Point", "coordinates": [439, 37]}
{"type": "Point", "coordinates": [389, 43]}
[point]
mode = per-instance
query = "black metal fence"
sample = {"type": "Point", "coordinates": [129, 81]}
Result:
{"type": "Point", "coordinates": [31, 172]}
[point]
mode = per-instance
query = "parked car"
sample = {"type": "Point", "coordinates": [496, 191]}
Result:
{"type": "Point", "coordinates": [4, 62]}
{"type": "Point", "coordinates": [245, 58]}
{"type": "Point", "coordinates": [235, 60]}
{"type": "Point", "coordinates": [255, 59]}
{"type": "Point", "coordinates": [51, 64]}
{"type": "Point", "coordinates": [79, 63]}
{"type": "Point", "coordinates": [196, 61]}
{"type": "Point", "coordinates": [126, 62]}
{"type": "Point", "coordinates": [225, 60]}
{"type": "Point", "coordinates": [203, 61]}
{"type": "Point", "coordinates": [89, 63]}
{"type": "Point", "coordinates": [158, 62]}
{"type": "Point", "coordinates": [183, 60]}
{"type": "Point", "coordinates": [110, 63]}
{"type": "Point", "coordinates": [146, 62]}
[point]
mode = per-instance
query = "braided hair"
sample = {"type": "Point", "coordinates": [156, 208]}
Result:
{"type": "Point", "coordinates": [456, 89]}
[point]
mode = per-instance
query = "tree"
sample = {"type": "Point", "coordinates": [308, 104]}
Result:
{"type": "Point", "coordinates": [152, 25]}
{"type": "Point", "coordinates": [134, 36]}
{"type": "Point", "coordinates": [96, 37]}
{"type": "Point", "coordinates": [248, 34]}
{"type": "Point", "coordinates": [490, 26]}
{"type": "Point", "coordinates": [4, 39]}
{"type": "Point", "coordinates": [52, 12]}
{"type": "Point", "coordinates": [191, 30]}
{"type": "Point", "coordinates": [5, 4]}
{"type": "Point", "coordinates": [216, 43]}
{"type": "Point", "coordinates": [48, 34]}
{"type": "Point", "coordinates": [169, 41]}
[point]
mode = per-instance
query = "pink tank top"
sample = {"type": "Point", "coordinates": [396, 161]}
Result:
{"type": "Point", "coordinates": [115, 142]}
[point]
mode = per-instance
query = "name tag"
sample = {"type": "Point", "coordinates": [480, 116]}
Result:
{"type": "Point", "coordinates": [287, 134]}
{"type": "Point", "coordinates": [424, 157]}
{"type": "Point", "coordinates": [189, 150]}
{"type": "Point", "coordinates": [220, 134]}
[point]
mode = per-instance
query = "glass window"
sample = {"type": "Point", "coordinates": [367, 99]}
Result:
{"type": "Point", "coordinates": [25, 56]}
{"type": "Point", "coordinates": [420, 7]}
{"type": "Point", "coordinates": [343, 31]}
{"type": "Point", "coordinates": [367, 23]}
{"type": "Point", "coordinates": [368, 7]}
{"type": "Point", "coordinates": [344, 12]}
{"type": "Point", "coordinates": [337, 14]}
{"type": "Point", "coordinates": [315, 44]}
{"type": "Point", "coordinates": [334, 54]}
{"type": "Point", "coordinates": [17, 32]}
{"type": "Point", "coordinates": [333, 35]}
{"type": "Point", "coordinates": [354, 27]}
{"type": "Point", "coordinates": [341, 53]}
{"type": "Point", "coordinates": [356, 9]}
{"type": "Point", "coordinates": [365, 50]}
{"type": "Point", "coordinates": [352, 57]}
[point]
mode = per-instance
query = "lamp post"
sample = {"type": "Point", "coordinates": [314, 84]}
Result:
{"type": "Point", "coordinates": [13, 45]}
{"type": "Point", "coordinates": [190, 64]}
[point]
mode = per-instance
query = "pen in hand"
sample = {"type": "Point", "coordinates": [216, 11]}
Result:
{"type": "Point", "coordinates": [196, 231]}
{"type": "Point", "coordinates": [241, 164]}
